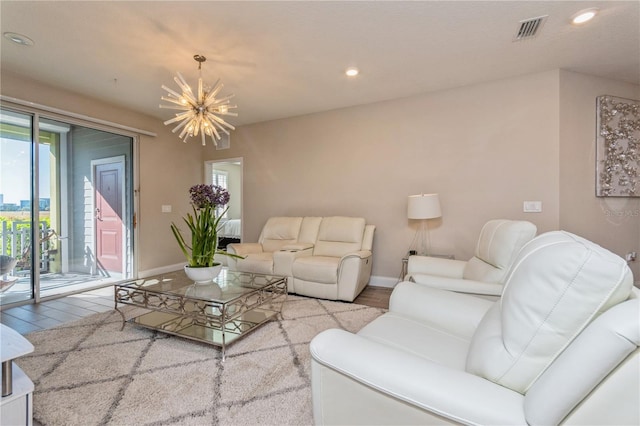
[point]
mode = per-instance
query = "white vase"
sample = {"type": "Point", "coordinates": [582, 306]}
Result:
{"type": "Point", "coordinates": [203, 274]}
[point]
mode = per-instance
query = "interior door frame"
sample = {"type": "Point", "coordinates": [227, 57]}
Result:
{"type": "Point", "coordinates": [126, 219]}
{"type": "Point", "coordinates": [209, 165]}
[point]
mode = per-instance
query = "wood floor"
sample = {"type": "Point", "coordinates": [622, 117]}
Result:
{"type": "Point", "coordinates": [377, 297]}
{"type": "Point", "coordinates": [27, 318]}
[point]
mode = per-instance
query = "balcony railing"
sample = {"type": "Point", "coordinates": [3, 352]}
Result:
{"type": "Point", "coordinates": [15, 241]}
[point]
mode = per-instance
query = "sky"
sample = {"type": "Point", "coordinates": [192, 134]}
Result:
{"type": "Point", "coordinates": [15, 173]}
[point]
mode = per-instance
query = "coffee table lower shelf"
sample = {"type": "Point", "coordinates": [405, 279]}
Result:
{"type": "Point", "coordinates": [191, 328]}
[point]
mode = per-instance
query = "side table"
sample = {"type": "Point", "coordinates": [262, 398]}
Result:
{"type": "Point", "coordinates": [16, 406]}
{"type": "Point", "coordinates": [405, 262]}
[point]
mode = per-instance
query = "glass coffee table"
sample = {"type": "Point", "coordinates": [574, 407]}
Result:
{"type": "Point", "coordinates": [218, 313]}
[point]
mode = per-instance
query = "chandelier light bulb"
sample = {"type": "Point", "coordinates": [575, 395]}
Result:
{"type": "Point", "coordinates": [198, 112]}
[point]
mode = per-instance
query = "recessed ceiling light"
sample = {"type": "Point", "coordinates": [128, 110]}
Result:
{"type": "Point", "coordinates": [584, 16]}
{"type": "Point", "coordinates": [352, 72]}
{"type": "Point", "coordinates": [18, 39]}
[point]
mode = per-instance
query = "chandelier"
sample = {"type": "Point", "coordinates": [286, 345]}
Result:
{"type": "Point", "coordinates": [202, 111]}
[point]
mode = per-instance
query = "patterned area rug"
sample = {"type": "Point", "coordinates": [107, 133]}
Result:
{"type": "Point", "coordinates": [90, 373]}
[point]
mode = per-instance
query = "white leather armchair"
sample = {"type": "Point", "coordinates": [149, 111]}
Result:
{"type": "Point", "coordinates": [483, 275]}
{"type": "Point", "coordinates": [559, 347]}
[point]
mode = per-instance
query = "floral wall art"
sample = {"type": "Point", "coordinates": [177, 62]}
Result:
{"type": "Point", "coordinates": [617, 147]}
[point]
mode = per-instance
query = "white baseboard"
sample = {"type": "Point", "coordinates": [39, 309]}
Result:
{"type": "Point", "coordinates": [161, 270]}
{"type": "Point", "coordinates": [379, 281]}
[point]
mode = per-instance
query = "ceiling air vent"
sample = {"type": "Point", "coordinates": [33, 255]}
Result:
{"type": "Point", "coordinates": [529, 28]}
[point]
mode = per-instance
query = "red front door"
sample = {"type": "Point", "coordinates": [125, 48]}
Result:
{"type": "Point", "coordinates": [108, 214]}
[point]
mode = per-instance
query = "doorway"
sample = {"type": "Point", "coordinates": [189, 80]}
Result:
{"type": "Point", "coordinates": [109, 200]}
{"type": "Point", "coordinates": [228, 173]}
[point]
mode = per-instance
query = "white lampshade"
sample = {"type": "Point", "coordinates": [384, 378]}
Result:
{"type": "Point", "coordinates": [424, 206]}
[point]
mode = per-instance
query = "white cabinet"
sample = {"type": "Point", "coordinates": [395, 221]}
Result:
{"type": "Point", "coordinates": [16, 406]}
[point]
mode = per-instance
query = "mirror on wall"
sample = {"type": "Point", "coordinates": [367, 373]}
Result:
{"type": "Point", "coordinates": [228, 174]}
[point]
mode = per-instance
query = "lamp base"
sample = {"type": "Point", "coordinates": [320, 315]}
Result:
{"type": "Point", "coordinates": [421, 243]}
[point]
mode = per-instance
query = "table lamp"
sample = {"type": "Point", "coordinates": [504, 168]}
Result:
{"type": "Point", "coordinates": [423, 207]}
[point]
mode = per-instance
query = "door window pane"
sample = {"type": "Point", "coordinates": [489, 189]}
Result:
{"type": "Point", "coordinates": [15, 207]}
{"type": "Point", "coordinates": [90, 188]}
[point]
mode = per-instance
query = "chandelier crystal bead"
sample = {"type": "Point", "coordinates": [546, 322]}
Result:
{"type": "Point", "coordinates": [201, 112]}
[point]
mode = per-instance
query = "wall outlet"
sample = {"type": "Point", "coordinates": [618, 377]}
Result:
{"type": "Point", "coordinates": [532, 206]}
{"type": "Point", "coordinates": [166, 208]}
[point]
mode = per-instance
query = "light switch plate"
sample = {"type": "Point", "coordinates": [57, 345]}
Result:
{"type": "Point", "coordinates": [532, 206]}
{"type": "Point", "coordinates": [166, 208]}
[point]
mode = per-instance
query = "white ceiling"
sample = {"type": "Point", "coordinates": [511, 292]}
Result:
{"type": "Point", "coordinates": [283, 59]}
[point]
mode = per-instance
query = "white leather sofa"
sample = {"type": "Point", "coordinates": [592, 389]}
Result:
{"type": "Point", "coordinates": [559, 347]}
{"type": "Point", "coordinates": [323, 257]}
{"type": "Point", "coordinates": [484, 274]}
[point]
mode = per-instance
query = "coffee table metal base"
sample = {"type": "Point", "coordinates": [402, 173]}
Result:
{"type": "Point", "coordinates": [217, 323]}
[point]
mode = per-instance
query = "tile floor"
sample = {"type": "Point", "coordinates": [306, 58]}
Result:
{"type": "Point", "coordinates": [27, 318]}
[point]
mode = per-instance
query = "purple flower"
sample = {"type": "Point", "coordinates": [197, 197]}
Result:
{"type": "Point", "coordinates": [220, 196]}
{"type": "Point", "coordinates": [208, 195]}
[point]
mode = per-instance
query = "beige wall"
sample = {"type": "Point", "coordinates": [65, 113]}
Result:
{"type": "Point", "coordinates": [612, 222]}
{"type": "Point", "coordinates": [484, 148]}
{"type": "Point", "coordinates": [166, 166]}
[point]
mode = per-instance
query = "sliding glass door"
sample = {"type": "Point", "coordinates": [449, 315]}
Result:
{"type": "Point", "coordinates": [16, 158]}
{"type": "Point", "coordinates": [78, 182]}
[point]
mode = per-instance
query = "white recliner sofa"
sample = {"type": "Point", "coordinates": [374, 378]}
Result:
{"type": "Point", "coordinates": [559, 347]}
{"type": "Point", "coordinates": [484, 274]}
{"type": "Point", "coordinates": [339, 265]}
{"type": "Point", "coordinates": [323, 257]}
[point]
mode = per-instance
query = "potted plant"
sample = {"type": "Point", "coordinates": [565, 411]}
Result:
{"type": "Point", "coordinates": [206, 200]}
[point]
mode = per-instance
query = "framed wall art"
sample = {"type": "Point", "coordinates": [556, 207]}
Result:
{"type": "Point", "coordinates": [617, 147]}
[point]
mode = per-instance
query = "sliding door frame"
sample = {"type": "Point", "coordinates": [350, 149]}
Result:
{"type": "Point", "coordinates": [38, 112]}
